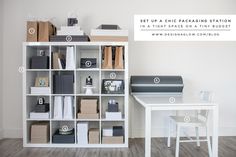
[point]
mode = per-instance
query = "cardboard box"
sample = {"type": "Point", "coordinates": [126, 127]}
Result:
{"type": "Point", "coordinates": [113, 140]}
{"type": "Point", "coordinates": [93, 136]}
{"type": "Point", "coordinates": [88, 116]}
{"type": "Point", "coordinates": [40, 132]}
{"type": "Point", "coordinates": [39, 140]}
{"type": "Point", "coordinates": [88, 106]}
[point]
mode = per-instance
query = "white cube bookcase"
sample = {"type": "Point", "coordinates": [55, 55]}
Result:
{"type": "Point", "coordinates": [82, 49]}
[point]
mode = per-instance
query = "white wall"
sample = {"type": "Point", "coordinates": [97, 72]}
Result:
{"type": "Point", "coordinates": [1, 68]}
{"type": "Point", "coordinates": [204, 65]}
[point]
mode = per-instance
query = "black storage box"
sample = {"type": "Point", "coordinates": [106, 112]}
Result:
{"type": "Point", "coordinates": [118, 131]}
{"type": "Point", "coordinates": [58, 138]}
{"type": "Point", "coordinates": [63, 84]}
{"type": "Point", "coordinates": [42, 108]}
{"type": "Point", "coordinates": [69, 38]}
{"type": "Point", "coordinates": [88, 63]}
{"type": "Point", "coordinates": [108, 26]}
{"type": "Point", "coordinates": [39, 62]}
{"type": "Point", "coordinates": [156, 84]}
{"type": "Point", "coordinates": [113, 107]}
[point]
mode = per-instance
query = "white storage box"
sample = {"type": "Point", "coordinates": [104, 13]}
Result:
{"type": "Point", "coordinates": [82, 133]}
{"type": "Point", "coordinates": [40, 90]}
{"type": "Point", "coordinates": [107, 131]}
{"type": "Point", "coordinates": [34, 115]}
{"type": "Point", "coordinates": [113, 115]}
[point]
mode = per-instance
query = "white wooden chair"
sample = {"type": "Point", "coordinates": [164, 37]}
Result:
{"type": "Point", "coordinates": [197, 121]}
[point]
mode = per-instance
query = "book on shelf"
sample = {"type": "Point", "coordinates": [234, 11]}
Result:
{"type": "Point", "coordinates": [63, 84]}
{"type": "Point", "coordinates": [70, 58]}
{"type": "Point", "coordinates": [58, 60]}
{"type": "Point", "coordinates": [68, 107]}
{"type": "Point", "coordinates": [58, 107]}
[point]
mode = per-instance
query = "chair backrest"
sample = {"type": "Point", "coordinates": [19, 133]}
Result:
{"type": "Point", "coordinates": [206, 96]}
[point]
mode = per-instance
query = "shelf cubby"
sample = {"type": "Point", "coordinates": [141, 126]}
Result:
{"type": "Point", "coordinates": [31, 77]}
{"type": "Point", "coordinates": [81, 81]}
{"type": "Point", "coordinates": [31, 104]}
{"type": "Point", "coordinates": [104, 107]}
{"type": "Point", "coordinates": [87, 52]}
{"type": "Point", "coordinates": [35, 51]}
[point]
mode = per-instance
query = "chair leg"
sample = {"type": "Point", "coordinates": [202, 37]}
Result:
{"type": "Point", "coordinates": [208, 142]}
{"type": "Point", "coordinates": [197, 136]}
{"type": "Point", "coordinates": [177, 141]}
{"type": "Point", "coordinates": [169, 134]}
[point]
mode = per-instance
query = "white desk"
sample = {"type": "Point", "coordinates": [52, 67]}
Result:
{"type": "Point", "coordinates": [155, 103]}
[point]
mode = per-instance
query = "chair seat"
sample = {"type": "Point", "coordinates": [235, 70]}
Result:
{"type": "Point", "coordinates": [193, 121]}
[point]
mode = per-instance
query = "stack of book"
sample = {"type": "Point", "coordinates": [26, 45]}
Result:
{"type": "Point", "coordinates": [71, 32]}
{"type": "Point", "coordinates": [113, 135]}
{"type": "Point", "coordinates": [109, 33]}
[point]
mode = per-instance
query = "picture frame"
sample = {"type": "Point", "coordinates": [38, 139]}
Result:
{"type": "Point", "coordinates": [41, 82]}
{"type": "Point", "coordinates": [113, 86]}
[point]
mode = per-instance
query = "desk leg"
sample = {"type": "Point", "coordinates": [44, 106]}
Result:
{"type": "Point", "coordinates": [147, 132]}
{"type": "Point", "coordinates": [215, 132]}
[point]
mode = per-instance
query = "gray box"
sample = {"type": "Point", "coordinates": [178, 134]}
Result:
{"type": "Point", "coordinates": [156, 84]}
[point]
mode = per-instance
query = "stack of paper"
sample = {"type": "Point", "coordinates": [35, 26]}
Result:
{"type": "Point", "coordinates": [82, 133]}
{"type": "Point", "coordinates": [70, 30]}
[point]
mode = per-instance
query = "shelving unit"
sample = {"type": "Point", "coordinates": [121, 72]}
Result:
{"type": "Point", "coordinates": [82, 49]}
